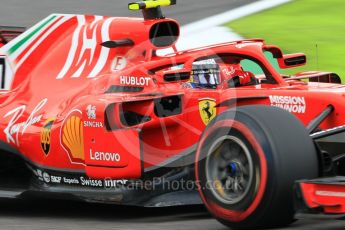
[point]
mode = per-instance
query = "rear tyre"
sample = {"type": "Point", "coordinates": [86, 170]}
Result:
{"type": "Point", "coordinates": [247, 162]}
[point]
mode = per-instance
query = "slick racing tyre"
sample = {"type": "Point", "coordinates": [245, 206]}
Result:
{"type": "Point", "coordinates": [247, 161]}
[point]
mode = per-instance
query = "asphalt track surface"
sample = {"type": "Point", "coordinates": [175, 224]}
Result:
{"type": "Point", "coordinates": [37, 214]}
{"type": "Point", "coordinates": [45, 214]}
{"type": "Point", "coordinates": [28, 12]}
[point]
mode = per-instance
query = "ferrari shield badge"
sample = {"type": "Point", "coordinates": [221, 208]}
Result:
{"type": "Point", "coordinates": [207, 109]}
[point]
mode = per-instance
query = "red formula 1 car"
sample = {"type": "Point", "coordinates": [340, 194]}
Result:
{"type": "Point", "coordinates": [91, 111]}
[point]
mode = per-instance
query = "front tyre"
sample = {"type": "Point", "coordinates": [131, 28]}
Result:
{"type": "Point", "coordinates": [247, 161]}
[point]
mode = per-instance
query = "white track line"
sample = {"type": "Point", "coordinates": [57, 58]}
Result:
{"type": "Point", "coordinates": [232, 15]}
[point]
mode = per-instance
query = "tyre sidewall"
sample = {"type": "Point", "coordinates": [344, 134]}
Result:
{"type": "Point", "coordinates": [276, 169]}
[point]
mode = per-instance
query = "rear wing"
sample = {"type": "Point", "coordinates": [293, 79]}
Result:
{"type": "Point", "coordinates": [8, 33]}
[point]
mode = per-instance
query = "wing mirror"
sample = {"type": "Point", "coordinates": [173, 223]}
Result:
{"type": "Point", "coordinates": [292, 60]}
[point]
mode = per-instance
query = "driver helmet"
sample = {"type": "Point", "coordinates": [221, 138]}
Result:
{"type": "Point", "coordinates": [205, 75]}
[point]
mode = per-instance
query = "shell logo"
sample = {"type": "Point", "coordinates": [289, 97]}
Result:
{"type": "Point", "coordinates": [73, 138]}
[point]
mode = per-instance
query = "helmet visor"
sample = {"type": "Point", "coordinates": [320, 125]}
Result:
{"type": "Point", "coordinates": [206, 77]}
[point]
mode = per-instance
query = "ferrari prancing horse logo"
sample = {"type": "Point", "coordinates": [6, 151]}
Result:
{"type": "Point", "coordinates": [207, 109]}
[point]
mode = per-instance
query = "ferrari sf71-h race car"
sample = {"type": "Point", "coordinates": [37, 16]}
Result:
{"type": "Point", "coordinates": [92, 110]}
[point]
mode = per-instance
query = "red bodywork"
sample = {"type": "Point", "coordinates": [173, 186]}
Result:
{"type": "Point", "coordinates": [328, 197]}
{"type": "Point", "coordinates": [64, 105]}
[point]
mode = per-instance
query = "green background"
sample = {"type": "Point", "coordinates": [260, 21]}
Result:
{"type": "Point", "coordinates": [314, 27]}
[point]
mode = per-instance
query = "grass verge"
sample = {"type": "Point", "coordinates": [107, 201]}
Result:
{"type": "Point", "coordinates": [301, 26]}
